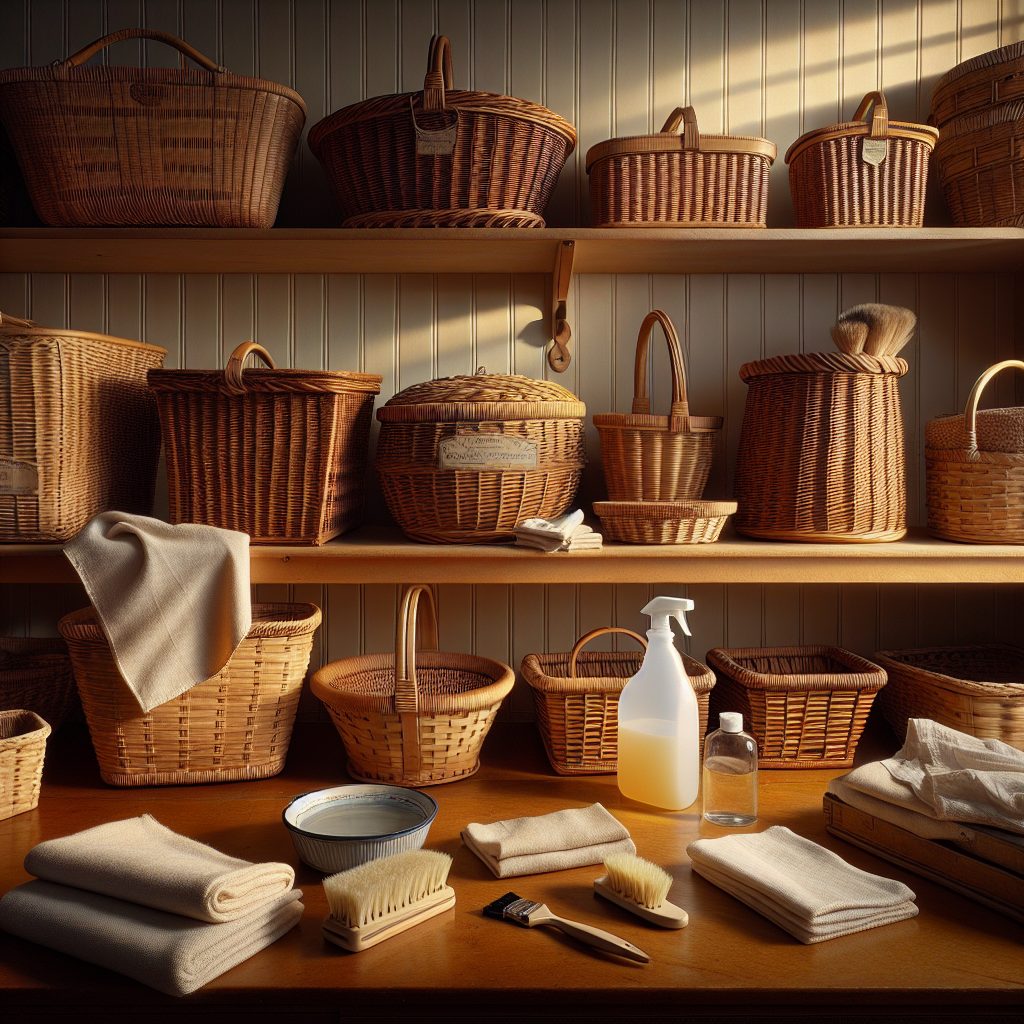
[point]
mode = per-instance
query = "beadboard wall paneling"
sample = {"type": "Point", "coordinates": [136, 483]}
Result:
{"type": "Point", "coordinates": [612, 67]}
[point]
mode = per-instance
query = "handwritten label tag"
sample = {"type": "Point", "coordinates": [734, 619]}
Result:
{"type": "Point", "coordinates": [440, 143]}
{"type": "Point", "coordinates": [18, 477]}
{"type": "Point", "coordinates": [476, 452]}
{"type": "Point", "coordinates": [874, 151]}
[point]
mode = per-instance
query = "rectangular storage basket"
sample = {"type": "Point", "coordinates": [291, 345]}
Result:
{"type": "Point", "coordinates": [277, 454]}
{"type": "Point", "coordinates": [35, 675]}
{"type": "Point", "coordinates": [235, 725]}
{"type": "Point", "coordinates": [576, 697]}
{"type": "Point", "coordinates": [805, 706]}
{"type": "Point", "coordinates": [976, 689]}
{"type": "Point", "coordinates": [79, 432]}
{"type": "Point", "coordinates": [22, 751]}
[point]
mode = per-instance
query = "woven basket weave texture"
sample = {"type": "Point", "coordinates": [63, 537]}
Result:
{"type": "Point", "coordinates": [22, 752]}
{"type": "Point", "coordinates": [35, 675]}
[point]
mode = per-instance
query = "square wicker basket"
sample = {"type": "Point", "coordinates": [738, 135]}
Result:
{"type": "Point", "coordinates": [22, 750]}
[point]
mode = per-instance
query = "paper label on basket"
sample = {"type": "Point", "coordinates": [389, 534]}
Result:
{"type": "Point", "coordinates": [18, 477]}
{"type": "Point", "coordinates": [486, 451]}
{"type": "Point", "coordinates": [874, 151]}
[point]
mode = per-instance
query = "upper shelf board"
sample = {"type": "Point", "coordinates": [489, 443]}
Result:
{"type": "Point", "coordinates": [510, 250]}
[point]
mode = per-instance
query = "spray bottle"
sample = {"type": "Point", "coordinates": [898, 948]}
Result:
{"type": "Point", "coordinates": [659, 742]}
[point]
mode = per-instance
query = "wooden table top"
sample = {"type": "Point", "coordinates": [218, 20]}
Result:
{"type": "Point", "coordinates": [955, 957]}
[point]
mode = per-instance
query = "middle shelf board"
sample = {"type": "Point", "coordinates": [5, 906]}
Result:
{"type": "Point", "coordinates": [376, 555]}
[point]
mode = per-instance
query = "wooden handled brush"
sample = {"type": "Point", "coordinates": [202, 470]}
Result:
{"type": "Point", "coordinates": [640, 887]}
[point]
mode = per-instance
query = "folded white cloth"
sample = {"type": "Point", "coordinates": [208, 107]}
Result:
{"type": "Point", "coordinates": [567, 533]}
{"type": "Point", "coordinates": [141, 861]}
{"type": "Point", "coordinates": [809, 891]}
{"type": "Point", "coordinates": [173, 601]}
{"type": "Point", "coordinates": [562, 526]}
{"type": "Point", "coordinates": [957, 777]}
{"type": "Point", "coordinates": [570, 838]}
{"type": "Point", "coordinates": [170, 953]}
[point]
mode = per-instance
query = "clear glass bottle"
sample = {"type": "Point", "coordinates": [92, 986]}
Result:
{"type": "Point", "coordinates": [729, 790]}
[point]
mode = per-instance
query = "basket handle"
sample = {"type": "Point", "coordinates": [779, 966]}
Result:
{"type": "Point", "coordinates": [687, 117]}
{"type": "Point", "coordinates": [439, 73]}
{"type": "Point", "coordinates": [593, 635]}
{"type": "Point", "coordinates": [233, 381]}
{"type": "Point", "coordinates": [406, 692]}
{"type": "Point", "coordinates": [971, 411]}
{"type": "Point", "coordinates": [142, 33]}
{"type": "Point", "coordinates": [879, 115]}
{"type": "Point", "coordinates": [16, 321]}
{"type": "Point", "coordinates": [680, 410]}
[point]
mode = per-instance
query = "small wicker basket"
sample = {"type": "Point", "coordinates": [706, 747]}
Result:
{"type": "Point", "coordinates": [657, 458]}
{"type": "Point", "coordinates": [673, 180]}
{"type": "Point", "coordinates": [277, 454]}
{"type": "Point", "coordinates": [35, 675]}
{"type": "Point", "coordinates": [79, 432]}
{"type": "Point", "coordinates": [976, 689]}
{"type": "Point", "coordinates": [22, 751]}
{"type": "Point", "coordinates": [576, 697]}
{"type": "Point", "coordinates": [411, 719]}
{"type": "Point", "coordinates": [663, 522]}
{"type": "Point", "coordinates": [233, 726]}
{"type": "Point", "coordinates": [805, 706]}
{"type": "Point", "coordinates": [861, 173]}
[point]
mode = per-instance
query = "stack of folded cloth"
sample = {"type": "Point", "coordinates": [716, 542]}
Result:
{"type": "Point", "coordinates": [571, 838]}
{"type": "Point", "coordinates": [140, 899]}
{"type": "Point", "coordinates": [567, 533]}
{"type": "Point", "coordinates": [803, 888]}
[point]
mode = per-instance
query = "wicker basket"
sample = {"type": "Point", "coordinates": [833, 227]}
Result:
{"type": "Point", "coordinates": [413, 719]}
{"type": "Point", "coordinates": [821, 451]}
{"type": "Point", "coordinates": [235, 725]}
{"type": "Point", "coordinates": [465, 459]}
{"type": "Point", "coordinates": [79, 432]}
{"type": "Point", "coordinates": [979, 84]}
{"type": "Point", "coordinates": [22, 751]}
{"type": "Point", "coordinates": [657, 458]}
{"type": "Point", "coordinates": [861, 173]}
{"type": "Point", "coordinates": [442, 157]}
{"type": "Point", "coordinates": [974, 470]}
{"type": "Point", "coordinates": [976, 689]}
{"type": "Point", "coordinates": [805, 706]}
{"type": "Point", "coordinates": [673, 180]}
{"type": "Point", "coordinates": [277, 454]}
{"type": "Point", "coordinates": [576, 697]}
{"type": "Point", "coordinates": [35, 675]}
{"type": "Point", "coordinates": [663, 522]}
{"type": "Point", "coordinates": [136, 146]}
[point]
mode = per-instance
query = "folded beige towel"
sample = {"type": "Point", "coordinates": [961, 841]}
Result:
{"type": "Point", "coordinates": [583, 538]}
{"type": "Point", "coordinates": [548, 842]}
{"type": "Point", "coordinates": [141, 861]}
{"type": "Point", "coordinates": [170, 953]}
{"type": "Point", "coordinates": [919, 824]}
{"type": "Point", "coordinates": [800, 886]}
{"type": "Point", "coordinates": [173, 601]}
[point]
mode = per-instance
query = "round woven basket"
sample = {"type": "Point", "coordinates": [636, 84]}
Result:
{"type": "Point", "coordinates": [466, 459]}
{"type": "Point", "coordinates": [663, 522]}
{"type": "Point", "coordinates": [408, 718]}
{"type": "Point", "coordinates": [979, 83]}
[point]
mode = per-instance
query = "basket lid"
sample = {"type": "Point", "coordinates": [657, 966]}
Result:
{"type": "Point", "coordinates": [482, 396]}
{"type": "Point", "coordinates": [13, 328]}
{"type": "Point", "coordinates": [998, 430]}
{"type": "Point", "coordinates": [823, 362]}
{"type": "Point", "coordinates": [991, 59]}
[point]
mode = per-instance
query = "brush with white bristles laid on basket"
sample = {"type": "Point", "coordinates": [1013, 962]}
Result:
{"type": "Point", "coordinates": [641, 887]}
{"type": "Point", "coordinates": [381, 898]}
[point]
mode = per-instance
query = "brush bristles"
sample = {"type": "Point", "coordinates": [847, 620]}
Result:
{"type": "Point", "coordinates": [366, 893]}
{"type": "Point", "coordinates": [637, 879]}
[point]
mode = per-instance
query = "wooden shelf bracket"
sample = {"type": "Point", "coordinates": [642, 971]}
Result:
{"type": "Point", "coordinates": [558, 354]}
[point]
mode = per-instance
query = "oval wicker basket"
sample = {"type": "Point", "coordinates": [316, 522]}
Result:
{"type": "Point", "coordinates": [22, 752]}
{"type": "Point", "coordinates": [663, 522]}
{"type": "Point", "coordinates": [233, 726]}
{"type": "Point", "coordinates": [413, 719]}
{"type": "Point", "coordinates": [979, 83]}
{"type": "Point", "coordinates": [680, 180]}
{"type": "Point", "coordinates": [443, 157]}
{"type": "Point", "coordinates": [861, 173]}
{"type": "Point", "coordinates": [576, 697]}
{"type": "Point", "coordinates": [657, 458]}
{"type": "Point", "coordinates": [35, 675]}
{"type": "Point", "coordinates": [466, 459]}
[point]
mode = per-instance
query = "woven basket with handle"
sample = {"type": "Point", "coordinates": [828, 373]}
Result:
{"type": "Point", "coordinates": [408, 718]}
{"type": "Point", "coordinates": [974, 470]}
{"type": "Point", "coordinates": [136, 146]}
{"type": "Point", "coordinates": [650, 457]}
{"type": "Point", "coordinates": [576, 697]}
{"type": "Point", "coordinates": [680, 180]}
{"type": "Point", "coordinates": [861, 172]}
{"type": "Point", "coordinates": [22, 751]}
{"type": "Point", "coordinates": [277, 454]}
{"type": "Point", "coordinates": [443, 157]}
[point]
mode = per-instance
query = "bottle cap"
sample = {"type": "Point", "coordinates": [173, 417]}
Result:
{"type": "Point", "coordinates": [730, 721]}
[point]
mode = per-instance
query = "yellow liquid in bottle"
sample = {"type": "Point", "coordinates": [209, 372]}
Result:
{"type": "Point", "coordinates": [651, 766]}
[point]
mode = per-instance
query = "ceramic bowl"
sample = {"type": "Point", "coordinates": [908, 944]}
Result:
{"type": "Point", "coordinates": [336, 829]}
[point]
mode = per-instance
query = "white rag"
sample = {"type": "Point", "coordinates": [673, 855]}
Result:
{"type": "Point", "coordinates": [173, 601]}
{"type": "Point", "coordinates": [567, 533]}
{"type": "Point", "coordinates": [141, 861]}
{"type": "Point", "coordinates": [803, 888]}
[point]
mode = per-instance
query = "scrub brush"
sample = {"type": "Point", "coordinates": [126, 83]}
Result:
{"type": "Point", "coordinates": [640, 887]}
{"type": "Point", "coordinates": [383, 897]}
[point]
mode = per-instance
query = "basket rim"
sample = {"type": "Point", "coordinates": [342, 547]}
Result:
{"type": "Point", "coordinates": [910, 131]}
{"type": "Point", "coordinates": [532, 668]}
{"type": "Point", "coordinates": [14, 332]}
{"type": "Point", "coordinates": [989, 59]}
{"type": "Point", "coordinates": [811, 363]}
{"type": "Point", "coordinates": [479, 412]}
{"type": "Point", "coordinates": [970, 686]}
{"type": "Point", "coordinates": [672, 142]}
{"type": "Point", "coordinates": [22, 717]}
{"type": "Point", "coordinates": [658, 510]}
{"type": "Point", "coordinates": [655, 421]}
{"type": "Point", "coordinates": [864, 674]}
{"type": "Point", "coordinates": [273, 381]}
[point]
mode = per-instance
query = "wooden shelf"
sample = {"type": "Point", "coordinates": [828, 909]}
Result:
{"type": "Point", "coordinates": [384, 556]}
{"type": "Point", "coordinates": [510, 251]}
